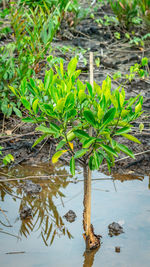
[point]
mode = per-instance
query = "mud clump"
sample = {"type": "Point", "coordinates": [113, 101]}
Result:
{"type": "Point", "coordinates": [70, 216]}
{"type": "Point", "coordinates": [25, 213]}
{"type": "Point", "coordinates": [115, 229]}
{"type": "Point", "coordinates": [31, 188]}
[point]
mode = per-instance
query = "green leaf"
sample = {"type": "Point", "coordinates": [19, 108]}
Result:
{"type": "Point", "coordinates": [89, 116]}
{"type": "Point", "coordinates": [28, 119]}
{"type": "Point", "coordinates": [41, 138]}
{"type": "Point", "coordinates": [96, 158]}
{"type": "Point", "coordinates": [7, 159]}
{"type": "Point", "coordinates": [82, 96]}
{"type": "Point", "coordinates": [14, 90]}
{"type": "Point", "coordinates": [26, 103]}
{"type": "Point", "coordinates": [131, 137]}
{"type": "Point", "coordinates": [123, 130]}
{"type": "Point", "coordinates": [109, 149]}
{"type": "Point", "coordinates": [138, 107]}
{"type": "Point", "coordinates": [45, 130]}
{"type": "Point", "coordinates": [48, 79]}
{"type": "Point", "coordinates": [90, 90]}
{"type": "Point", "coordinates": [126, 150]}
{"type": "Point", "coordinates": [18, 112]}
{"type": "Point", "coordinates": [91, 163]}
{"type": "Point", "coordinates": [72, 166]}
{"type": "Point", "coordinates": [72, 66]}
{"type": "Point", "coordinates": [57, 155]}
{"type": "Point", "coordinates": [35, 106]}
{"type": "Point", "coordinates": [60, 144]}
{"type": "Point", "coordinates": [54, 127]}
{"type": "Point", "coordinates": [88, 142]}
{"type": "Point", "coordinates": [60, 104]}
{"type": "Point", "coordinates": [71, 114]}
{"type": "Point", "coordinates": [80, 153]}
{"type": "Point", "coordinates": [81, 134]}
{"type": "Point", "coordinates": [109, 116]}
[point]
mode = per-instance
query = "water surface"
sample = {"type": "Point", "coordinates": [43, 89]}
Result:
{"type": "Point", "coordinates": [48, 239]}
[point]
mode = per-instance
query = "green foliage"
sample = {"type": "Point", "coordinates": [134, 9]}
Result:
{"type": "Point", "coordinates": [131, 12]}
{"type": "Point", "coordinates": [19, 59]}
{"type": "Point", "coordinates": [142, 70]}
{"type": "Point", "coordinates": [7, 159]}
{"type": "Point", "coordinates": [126, 10]}
{"type": "Point", "coordinates": [66, 109]}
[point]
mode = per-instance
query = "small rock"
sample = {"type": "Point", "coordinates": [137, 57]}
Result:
{"type": "Point", "coordinates": [115, 229]}
{"type": "Point", "coordinates": [31, 188]}
{"type": "Point", "coordinates": [117, 249]}
{"type": "Point", "coordinates": [25, 213]}
{"type": "Point", "coordinates": [70, 216]}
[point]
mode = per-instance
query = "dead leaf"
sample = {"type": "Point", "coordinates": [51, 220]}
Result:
{"type": "Point", "coordinates": [8, 132]}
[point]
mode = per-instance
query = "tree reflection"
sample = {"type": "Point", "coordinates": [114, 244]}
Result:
{"type": "Point", "coordinates": [45, 215]}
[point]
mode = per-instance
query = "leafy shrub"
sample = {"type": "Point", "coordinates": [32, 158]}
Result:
{"type": "Point", "coordinates": [125, 10]}
{"type": "Point", "coordinates": [66, 109]}
{"type": "Point", "coordinates": [32, 39]}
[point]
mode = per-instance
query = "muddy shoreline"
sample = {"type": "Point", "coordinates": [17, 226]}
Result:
{"type": "Point", "coordinates": [17, 138]}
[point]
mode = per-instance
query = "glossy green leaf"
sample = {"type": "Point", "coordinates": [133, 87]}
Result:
{"type": "Point", "coordinates": [29, 120]}
{"type": "Point", "coordinates": [89, 116]}
{"type": "Point", "coordinates": [18, 112]}
{"type": "Point", "coordinates": [131, 137]}
{"type": "Point", "coordinates": [109, 149]}
{"type": "Point", "coordinates": [81, 134]}
{"type": "Point", "coordinates": [54, 127]}
{"type": "Point", "coordinates": [82, 96]}
{"type": "Point", "coordinates": [109, 116]}
{"type": "Point", "coordinates": [14, 90]}
{"type": "Point", "coordinates": [88, 142]}
{"type": "Point", "coordinates": [123, 130]}
{"type": "Point", "coordinates": [41, 138]}
{"type": "Point", "coordinates": [26, 103]}
{"type": "Point", "coordinates": [45, 130]}
{"type": "Point", "coordinates": [72, 166]}
{"type": "Point", "coordinates": [96, 159]}
{"type": "Point", "coordinates": [48, 79]}
{"type": "Point", "coordinates": [60, 145]}
{"type": "Point", "coordinates": [126, 150]}
{"type": "Point", "coordinates": [72, 66]}
{"type": "Point", "coordinates": [90, 90]}
{"type": "Point", "coordinates": [35, 106]}
{"type": "Point", "coordinates": [80, 153]}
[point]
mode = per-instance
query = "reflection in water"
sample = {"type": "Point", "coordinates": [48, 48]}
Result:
{"type": "Point", "coordinates": [89, 257]}
{"type": "Point", "coordinates": [45, 215]}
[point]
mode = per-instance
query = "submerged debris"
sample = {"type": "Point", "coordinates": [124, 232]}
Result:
{"type": "Point", "coordinates": [25, 213]}
{"type": "Point", "coordinates": [117, 249]}
{"type": "Point", "coordinates": [115, 229]}
{"type": "Point", "coordinates": [70, 216]}
{"type": "Point", "coordinates": [31, 188]}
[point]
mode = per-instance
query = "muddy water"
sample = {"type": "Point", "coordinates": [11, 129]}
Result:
{"type": "Point", "coordinates": [47, 239]}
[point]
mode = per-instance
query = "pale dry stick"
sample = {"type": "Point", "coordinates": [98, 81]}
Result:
{"type": "Point", "coordinates": [4, 4]}
{"type": "Point", "coordinates": [137, 154]}
{"type": "Point", "coordinates": [5, 217]}
{"type": "Point", "coordinates": [30, 177]}
{"type": "Point", "coordinates": [17, 126]}
{"type": "Point", "coordinates": [3, 124]}
{"type": "Point", "coordinates": [17, 136]}
{"type": "Point", "coordinates": [1, 231]}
